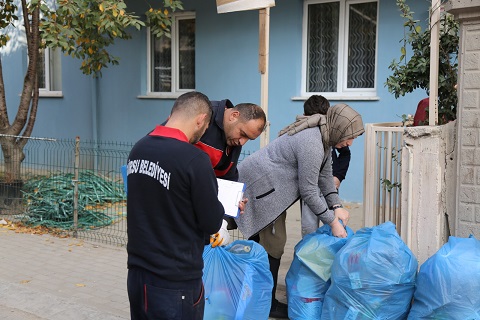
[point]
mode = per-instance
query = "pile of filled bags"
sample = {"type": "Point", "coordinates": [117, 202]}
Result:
{"type": "Point", "coordinates": [372, 274]}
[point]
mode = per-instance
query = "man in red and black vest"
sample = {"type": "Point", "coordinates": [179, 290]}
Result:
{"type": "Point", "coordinates": [229, 129]}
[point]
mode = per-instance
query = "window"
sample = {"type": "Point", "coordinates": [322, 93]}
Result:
{"type": "Point", "coordinates": [340, 45]}
{"type": "Point", "coordinates": [50, 72]}
{"type": "Point", "coordinates": [171, 66]}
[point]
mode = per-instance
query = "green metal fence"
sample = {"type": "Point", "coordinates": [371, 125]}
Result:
{"type": "Point", "coordinates": [70, 186]}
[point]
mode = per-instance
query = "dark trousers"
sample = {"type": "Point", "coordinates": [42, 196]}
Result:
{"type": "Point", "coordinates": [274, 268]}
{"type": "Point", "coordinates": [152, 297]}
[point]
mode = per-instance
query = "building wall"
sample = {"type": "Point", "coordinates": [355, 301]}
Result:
{"type": "Point", "coordinates": [112, 107]}
{"type": "Point", "coordinates": [468, 171]}
{"type": "Point", "coordinates": [64, 117]}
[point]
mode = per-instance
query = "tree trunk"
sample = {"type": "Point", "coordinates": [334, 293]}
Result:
{"type": "Point", "coordinates": [11, 140]}
{"type": "Point", "coordinates": [13, 156]}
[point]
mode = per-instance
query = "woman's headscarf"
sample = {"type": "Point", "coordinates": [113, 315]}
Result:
{"type": "Point", "coordinates": [340, 123]}
{"type": "Point", "coordinates": [345, 123]}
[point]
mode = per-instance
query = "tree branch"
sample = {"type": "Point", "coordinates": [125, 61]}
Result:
{"type": "Point", "coordinates": [4, 122]}
{"type": "Point", "coordinates": [31, 118]}
{"type": "Point", "coordinates": [30, 84]}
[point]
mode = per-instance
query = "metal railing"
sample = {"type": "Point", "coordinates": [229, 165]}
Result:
{"type": "Point", "coordinates": [382, 174]}
{"type": "Point", "coordinates": [70, 186]}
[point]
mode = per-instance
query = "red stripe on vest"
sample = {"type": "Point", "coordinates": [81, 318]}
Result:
{"type": "Point", "coordinates": [214, 154]}
{"type": "Point", "coordinates": [221, 173]}
{"type": "Point", "coordinates": [161, 131]}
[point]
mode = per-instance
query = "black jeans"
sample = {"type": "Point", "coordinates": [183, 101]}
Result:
{"type": "Point", "coordinates": [152, 297]}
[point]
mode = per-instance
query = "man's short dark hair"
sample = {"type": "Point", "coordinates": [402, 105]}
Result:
{"type": "Point", "coordinates": [192, 104]}
{"type": "Point", "coordinates": [316, 104]}
{"type": "Point", "coordinates": [250, 111]}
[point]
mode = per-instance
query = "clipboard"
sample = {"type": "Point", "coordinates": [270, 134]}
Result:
{"type": "Point", "coordinates": [230, 193]}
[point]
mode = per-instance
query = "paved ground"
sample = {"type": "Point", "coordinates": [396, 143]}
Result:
{"type": "Point", "coordinates": [45, 277]}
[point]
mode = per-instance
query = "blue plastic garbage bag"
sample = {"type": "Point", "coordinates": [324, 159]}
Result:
{"type": "Point", "coordinates": [448, 283]}
{"type": "Point", "coordinates": [373, 277]}
{"type": "Point", "coordinates": [238, 282]}
{"type": "Point", "coordinates": [309, 275]}
{"type": "Point", "coordinates": [123, 169]}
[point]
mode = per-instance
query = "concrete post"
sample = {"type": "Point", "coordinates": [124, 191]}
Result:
{"type": "Point", "coordinates": [428, 167]}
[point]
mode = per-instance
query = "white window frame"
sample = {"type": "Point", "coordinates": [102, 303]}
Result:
{"type": "Point", "coordinates": [342, 93]}
{"type": "Point", "coordinates": [48, 91]}
{"type": "Point", "coordinates": [175, 90]}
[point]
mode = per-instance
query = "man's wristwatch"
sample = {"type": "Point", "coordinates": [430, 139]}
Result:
{"type": "Point", "coordinates": [334, 207]}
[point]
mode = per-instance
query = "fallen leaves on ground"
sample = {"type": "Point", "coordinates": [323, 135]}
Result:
{"type": "Point", "coordinates": [78, 244]}
{"type": "Point", "coordinates": [20, 227]}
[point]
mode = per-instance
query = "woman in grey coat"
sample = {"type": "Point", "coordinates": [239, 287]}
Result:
{"type": "Point", "coordinates": [296, 165]}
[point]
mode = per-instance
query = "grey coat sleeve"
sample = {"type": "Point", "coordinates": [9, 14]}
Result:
{"type": "Point", "coordinates": [309, 153]}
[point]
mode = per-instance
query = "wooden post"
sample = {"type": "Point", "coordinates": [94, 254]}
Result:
{"type": "Point", "coordinates": [263, 7]}
{"type": "Point", "coordinates": [263, 55]}
{"type": "Point", "coordinates": [434, 62]}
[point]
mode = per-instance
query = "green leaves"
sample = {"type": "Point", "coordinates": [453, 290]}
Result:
{"type": "Point", "coordinates": [85, 29]}
{"type": "Point", "coordinates": [159, 22]}
{"type": "Point", "coordinates": [388, 185]}
{"type": "Point", "coordinates": [413, 73]}
{"type": "Point", "coordinates": [7, 18]}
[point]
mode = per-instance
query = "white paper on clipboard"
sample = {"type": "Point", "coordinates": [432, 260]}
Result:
{"type": "Point", "coordinates": [230, 193]}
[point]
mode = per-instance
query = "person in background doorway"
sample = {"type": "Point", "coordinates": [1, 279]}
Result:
{"type": "Point", "coordinates": [421, 114]}
{"type": "Point", "coordinates": [340, 163]}
{"type": "Point", "coordinates": [340, 156]}
{"type": "Point", "coordinates": [172, 208]}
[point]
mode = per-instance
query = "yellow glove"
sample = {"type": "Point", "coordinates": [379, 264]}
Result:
{"type": "Point", "coordinates": [222, 237]}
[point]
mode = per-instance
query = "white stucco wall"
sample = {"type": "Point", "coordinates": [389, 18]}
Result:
{"type": "Point", "coordinates": [429, 162]}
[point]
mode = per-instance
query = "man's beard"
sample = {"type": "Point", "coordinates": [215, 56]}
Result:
{"type": "Point", "coordinates": [196, 137]}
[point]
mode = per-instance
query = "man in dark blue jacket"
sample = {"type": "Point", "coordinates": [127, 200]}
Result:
{"type": "Point", "coordinates": [172, 208]}
{"type": "Point", "coordinates": [340, 163]}
{"type": "Point", "coordinates": [230, 128]}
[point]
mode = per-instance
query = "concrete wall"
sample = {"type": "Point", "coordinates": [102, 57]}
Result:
{"type": "Point", "coordinates": [468, 168]}
{"type": "Point", "coordinates": [428, 203]}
